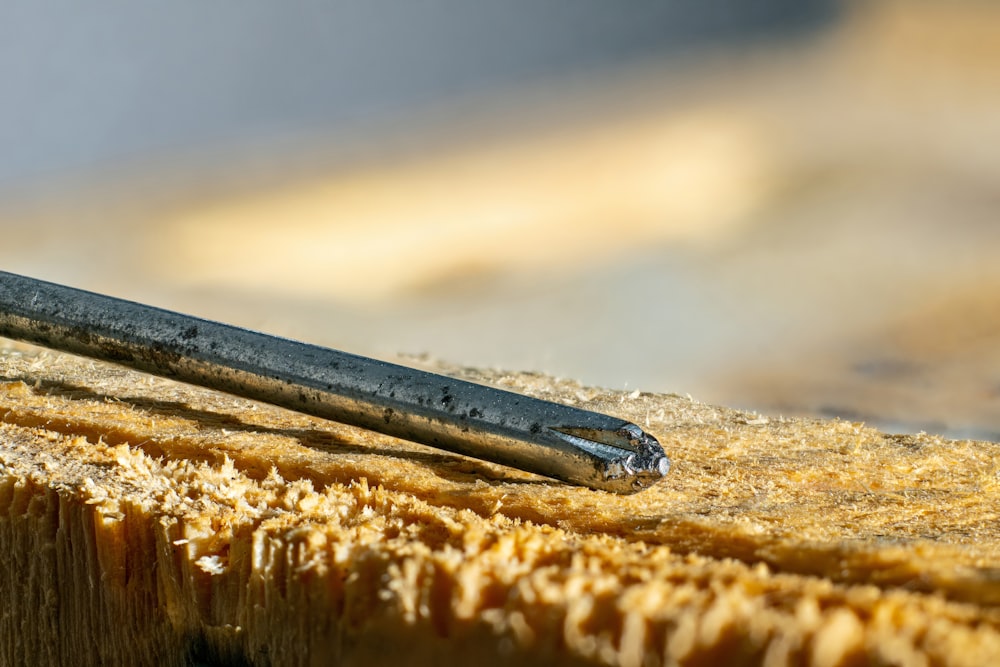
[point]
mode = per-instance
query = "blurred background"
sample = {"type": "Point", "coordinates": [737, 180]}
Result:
{"type": "Point", "coordinates": [789, 206]}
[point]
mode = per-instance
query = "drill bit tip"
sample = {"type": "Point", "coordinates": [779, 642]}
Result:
{"type": "Point", "coordinates": [625, 460]}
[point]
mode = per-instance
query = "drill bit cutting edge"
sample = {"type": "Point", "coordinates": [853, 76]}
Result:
{"type": "Point", "coordinates": [550, 439]}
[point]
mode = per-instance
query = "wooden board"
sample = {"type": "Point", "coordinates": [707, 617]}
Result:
{"type": "Point", "coordinates": [144, 521]}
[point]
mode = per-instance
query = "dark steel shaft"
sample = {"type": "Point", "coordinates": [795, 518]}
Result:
{"type": "Point", "coordinates": [550, 439]}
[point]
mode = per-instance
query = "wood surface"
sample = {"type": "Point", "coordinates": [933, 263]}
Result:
{"type": "Point", "coordinates": [148, 522]}
{"type": "Point", "coordinates": [808, 228]}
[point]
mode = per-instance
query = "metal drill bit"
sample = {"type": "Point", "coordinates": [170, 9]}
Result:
{"type": "Point", "coordinates": [558, 441]}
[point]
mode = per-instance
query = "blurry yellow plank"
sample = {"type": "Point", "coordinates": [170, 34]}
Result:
{"type": "Point", "coordinates": [553, 201]}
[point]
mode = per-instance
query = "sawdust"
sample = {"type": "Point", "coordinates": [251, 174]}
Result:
{"type": "Point", "coordinates": [146, 521]}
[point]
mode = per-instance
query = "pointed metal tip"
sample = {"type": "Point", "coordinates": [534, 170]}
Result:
{"type": "Point", "coordinates": [625, 460]}
{"type": "Point", "coordinates": [648, 464]}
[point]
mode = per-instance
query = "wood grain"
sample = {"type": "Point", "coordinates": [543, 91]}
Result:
{"type": "Point", "coordinates": [144, 521]}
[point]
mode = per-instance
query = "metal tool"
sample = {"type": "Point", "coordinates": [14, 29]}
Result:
{"type": "Point", "coordinates": [559, 441]}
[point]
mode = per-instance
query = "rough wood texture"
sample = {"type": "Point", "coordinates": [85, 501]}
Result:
{"type": "Point", "coordinates": [147, 522]}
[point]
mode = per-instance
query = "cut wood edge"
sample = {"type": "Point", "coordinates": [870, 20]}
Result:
{"type": "Point", "coordinates": [140, 523]}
